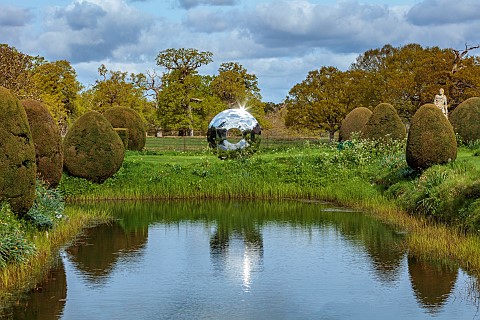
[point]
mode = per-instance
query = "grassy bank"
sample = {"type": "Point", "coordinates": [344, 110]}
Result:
{"type": "Point", "coordinates": [19, 277]}
{"type": "Point", "coordinates": [437, 208]}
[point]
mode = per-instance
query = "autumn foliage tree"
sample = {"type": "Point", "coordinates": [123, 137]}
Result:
{"type": "Point", "coordinates": [409, 76]}
{"type": "Point", "coordinates": [33, 77]}
{"type": "Point", "coordinates": [16, 72]}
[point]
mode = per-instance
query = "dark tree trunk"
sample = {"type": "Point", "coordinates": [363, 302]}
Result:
{"type": "Point", "coordinates": [331, 136]}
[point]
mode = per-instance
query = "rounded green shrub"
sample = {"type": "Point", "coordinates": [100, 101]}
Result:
{"type": "Point", "coordinates": [92, 149]}
{"type": "Point", "coordinates": [384, 124]}
{"type": "Point", "coordinates": [465, 120]}
{"type": "Point", "coordinates": [123, 134]}
{"type": "Point", "coordinates": [123, 117]}
{"type": "Point", "coordinates": [17, 155]}
{"type": "Point", "coordinates": [47, 140]}
{"type": "Point", "coordinates": [354, 122]}
{"type": "Point", "coordinates": [431, 139]}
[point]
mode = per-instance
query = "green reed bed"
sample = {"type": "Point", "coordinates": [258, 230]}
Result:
{"type": "Point", "coordinates": [291, 174]}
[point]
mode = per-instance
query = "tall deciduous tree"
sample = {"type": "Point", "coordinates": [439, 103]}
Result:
{"type": "Point", "coordinates": [234, 84]}
{"type": "Point", "coordinates": [236, 87]}
{"type": "Point", "coordinates": [319, 102]}
{"type": "Point", "coordinates": [58, 87]}
{"type": "Point", "coordinates": [180, 101]}
{"type": "Point", "coordinates": [464, 75]}
{"type": "Point", "coordinates": [187, 105]}
{"type": "Point", "coordinates": [117, 88]}
{"type": "Point", "coordinates": [184, 62]}
{"type": "Point", "coordinates": [16, 72]}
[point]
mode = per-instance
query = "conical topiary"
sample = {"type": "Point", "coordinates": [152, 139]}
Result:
{"type": "Point", "coordinates": [465, 120]}
{"type": "Point", "coordinates": [92, 149]}
{"type": "Point", "coordinates": [354, 122]}
{"type": "Point", "coordinates": [384, 124]}
{"type": "Point", "coordinates": [431, 139]}
{"type": "Point", "coordinates": [123, 117]}
{"type": "Point", "coordinates": [17, 155]}
{"type": "Point", "coordinates": [47, 140]}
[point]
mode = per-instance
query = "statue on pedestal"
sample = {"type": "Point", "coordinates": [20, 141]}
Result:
{"type": "Point", "coordinates": [441, 102]}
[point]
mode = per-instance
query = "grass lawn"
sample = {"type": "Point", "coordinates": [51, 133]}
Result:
{"type": "Point", "coordinates": [466, 155]}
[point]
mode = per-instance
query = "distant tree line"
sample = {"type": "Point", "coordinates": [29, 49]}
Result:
{"type": "Point", "coordinates": [179, 99]}
{"type": "Point", "coordinates": [406, 77]}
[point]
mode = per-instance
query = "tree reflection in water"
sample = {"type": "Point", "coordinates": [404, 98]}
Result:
{"type": "Point", "coordinates": [432, 282]}
{"type": "Point", "coordinates": [237, 248]}
{"type": "Point", "coordinates": [97, 252]}
{"type": "Point", "coordinates": [382, 244]}
{"type": "Point", "coordinates": [235, 231]}
{"type": "Point", "coordinates": [46, 300]}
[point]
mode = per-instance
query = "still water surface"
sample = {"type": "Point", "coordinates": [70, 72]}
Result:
{"type": "Point", "coordinates": [245, 260]}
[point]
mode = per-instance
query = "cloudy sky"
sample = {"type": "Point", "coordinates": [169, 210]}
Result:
{"type": "Point", "coordinates": [279, 41]}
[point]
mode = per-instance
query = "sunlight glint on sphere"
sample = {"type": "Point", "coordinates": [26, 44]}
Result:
{"type": "Point", "coordinates": [224, 124]}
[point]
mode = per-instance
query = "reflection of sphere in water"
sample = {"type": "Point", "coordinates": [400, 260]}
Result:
{"type": "Point", "coordinates": [227, 121]}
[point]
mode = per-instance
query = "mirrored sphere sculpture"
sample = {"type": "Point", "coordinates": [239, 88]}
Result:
{"type": "Point", "coordinates": [227, 122]}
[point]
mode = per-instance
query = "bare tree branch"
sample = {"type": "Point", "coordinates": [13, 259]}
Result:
{"type": "Point", "coordinates": [153, 84]}
{"type": "Point", "coordinates": [457, 61]}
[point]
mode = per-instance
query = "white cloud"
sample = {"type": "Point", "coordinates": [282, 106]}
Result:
{"type": "Point", "coordinates": [82, 15]}
{"type": "Point", "coordinates": [13, 23]}
{"type": "Point", "coordinates": [91, 30]}
{"type": "Point", "coordinates": [441, 12]}
{"type": "Point", "coordinates": [188, 4]}
{"type": "Point", "coordinates": [346, 27]}
{"type": "Point", "coordinates": [11, 16]}
{"type": "Point", "coordinates": [279, 41]}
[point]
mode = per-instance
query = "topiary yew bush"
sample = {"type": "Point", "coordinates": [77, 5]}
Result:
{"type": "Point", "coordinates": [123, 117]}
{"type": "Point", "coordinates": [384, 124]}
{"type": "Point", "coordinates": [92, 149]}
{"type": "Point", "coordinates": [47, 140]}
{"type": "Point", "coordinates": [17, 155]}
{"type": "Point", "coordinates": [431, 139]}
{"type": "Point", "coordinates": [354, 122]}
{"type": "Point", "coordinates": [123, 134]}
{"type": "Point", "coordinates": [465, 120]}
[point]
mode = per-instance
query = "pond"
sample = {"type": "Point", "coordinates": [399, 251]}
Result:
{"type": "Point", "coordinates": [245, 260]}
